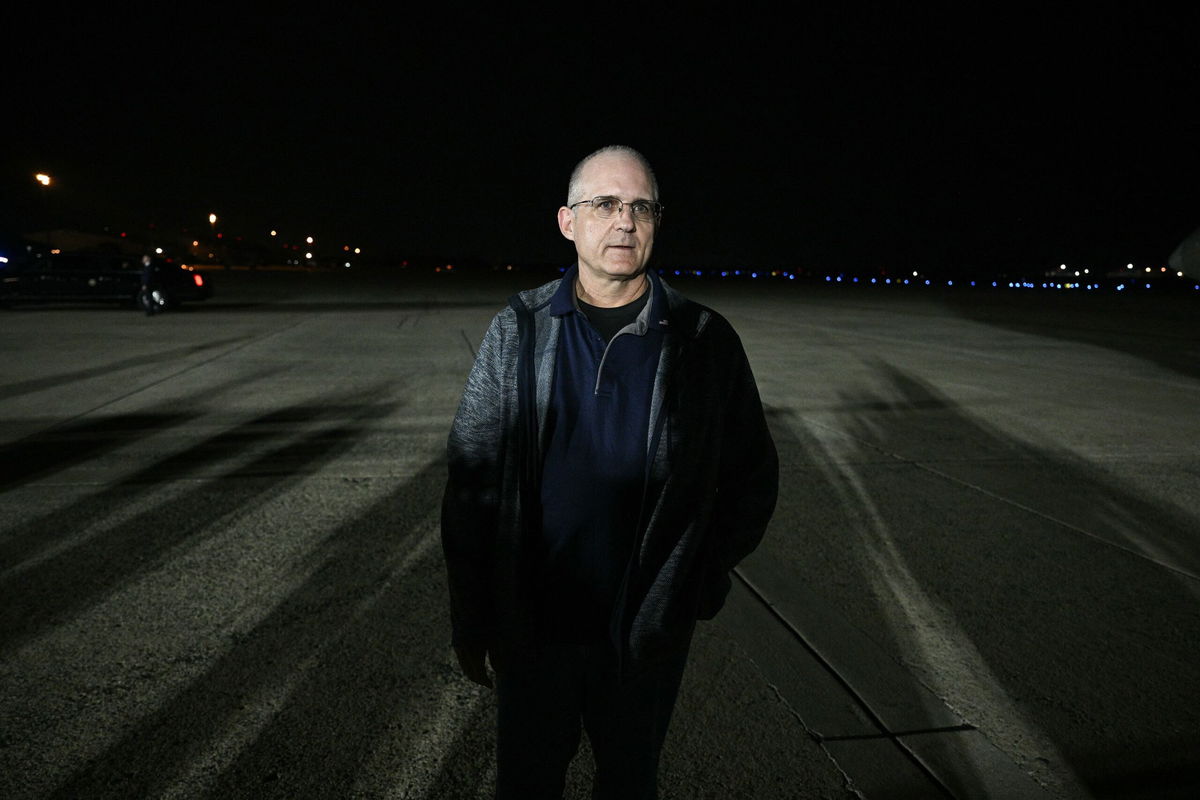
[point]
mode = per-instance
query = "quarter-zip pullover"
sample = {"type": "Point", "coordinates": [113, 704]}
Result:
{"type": "Point", "coordinates": [595, 464]}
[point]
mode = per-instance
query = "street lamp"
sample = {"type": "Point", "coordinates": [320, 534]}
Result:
{"type": "Point", "coordinates": [45, 181]}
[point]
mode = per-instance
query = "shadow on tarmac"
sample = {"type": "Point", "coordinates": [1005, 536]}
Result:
{"type": "Point", "coordinates": [1023, 586]}
{"type": "Point", "coordinates": [74, 577]}
{"type": "Point", "coordinates": [1162, 328]}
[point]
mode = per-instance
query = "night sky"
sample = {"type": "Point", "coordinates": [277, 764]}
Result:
{"type": "Point", "coordinates": [940, 140]}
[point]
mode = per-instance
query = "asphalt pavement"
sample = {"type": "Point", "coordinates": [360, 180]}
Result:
{"type": "Point", "coordinates": [220, 573]}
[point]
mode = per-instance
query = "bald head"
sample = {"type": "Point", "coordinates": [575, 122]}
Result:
{"type": "Point", "coordinates": [575, 186]}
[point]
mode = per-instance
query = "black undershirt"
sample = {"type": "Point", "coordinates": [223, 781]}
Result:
{"type": "Point", "coordinates": [607, 321]}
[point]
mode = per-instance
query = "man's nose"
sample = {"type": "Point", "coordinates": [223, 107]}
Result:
{"type": "Point", "coordinates": [625, 220]}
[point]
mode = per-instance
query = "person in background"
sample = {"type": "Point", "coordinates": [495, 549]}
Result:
{"type": "Point", "coordinates": [150, 295]}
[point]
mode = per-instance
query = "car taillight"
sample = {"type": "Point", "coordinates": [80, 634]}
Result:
{"type": "Point", "coordinates": [198, 279]}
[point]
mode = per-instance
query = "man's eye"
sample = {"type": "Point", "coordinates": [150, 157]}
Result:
{"type": "Point", "coordinates": [606, 204]}
{"type": "Point", "coordinates": [641, 208]}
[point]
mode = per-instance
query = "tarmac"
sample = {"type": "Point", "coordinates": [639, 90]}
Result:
{"type": "Point", "coordinates": [220, 574]}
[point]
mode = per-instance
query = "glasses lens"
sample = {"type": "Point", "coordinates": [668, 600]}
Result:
{"type": "Point", "coordinates": [643, 211]}
{"type": "Point", "coordinates": [605, 207]}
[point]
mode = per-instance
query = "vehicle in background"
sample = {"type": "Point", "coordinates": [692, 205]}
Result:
{"type": "Point", "coordinates": [85, 277]}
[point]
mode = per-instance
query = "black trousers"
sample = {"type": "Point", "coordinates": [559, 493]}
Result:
{"type": "Point", "coordinates": [545, 700]}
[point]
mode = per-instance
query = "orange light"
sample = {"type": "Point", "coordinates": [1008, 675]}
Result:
{"type": "Point", "coordinates": [198, 279]}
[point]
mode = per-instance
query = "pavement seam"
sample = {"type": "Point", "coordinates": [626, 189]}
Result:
{"type": "Point", "coordinates": [854, 695]}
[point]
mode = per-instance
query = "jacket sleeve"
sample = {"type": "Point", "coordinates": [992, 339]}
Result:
{"type": "Point", "coordinates": [748, 472]}
{"type": "Point", "coordinates": [470, 504]}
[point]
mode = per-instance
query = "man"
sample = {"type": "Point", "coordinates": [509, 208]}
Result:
{"type": "Point", "coordinates": [150, 295]}
{"type": "Point", "coordinates": [609, 464]}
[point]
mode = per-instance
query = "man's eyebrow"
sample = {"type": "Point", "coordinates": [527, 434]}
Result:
{"type": "Point", "coordinates": [616, 197]}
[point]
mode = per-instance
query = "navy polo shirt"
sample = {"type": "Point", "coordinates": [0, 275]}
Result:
{"type": "Point", "coordinates": [595, 461]}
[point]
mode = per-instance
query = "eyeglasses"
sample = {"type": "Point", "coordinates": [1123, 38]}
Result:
{"type": "Point", "coordinates": [607, 207]}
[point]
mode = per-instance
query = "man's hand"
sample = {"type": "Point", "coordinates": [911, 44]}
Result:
{"type": "Point", "coordinates": [471, 658]}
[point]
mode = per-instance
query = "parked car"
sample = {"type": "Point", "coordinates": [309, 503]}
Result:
{"type": "Point", "coordinates": [79, 277]}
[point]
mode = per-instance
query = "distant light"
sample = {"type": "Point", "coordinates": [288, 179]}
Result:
{"type": "Point", "coordinates": [195, 243]}
{"type": "Point", "coordinates": [3, 259]}
{"type": "Point", "coordinates": [1179, 274]}
{"type": "Point", "coordinates": [927, 281]}
{"type": "Point", "coordinates": [949, 283]}
{"type": "Point", "coordinates": [274, 233]}
{"type": "Point", "coordinates": [1062, 266]}
{"type": "Point", "coordinates": [915, 274]}
{"type": "Point", "coordinates": [309, 240]}
{"type": "Point", "coordinates": [358, 251]}
{"type": "Point", "coordinates": [198, 278]}
{"type": "Point", "coordinates": [42, 178]}
{"type": "Point", "coordinates": [212, 219]}
{"type": "Point", "coordinates": [308, 255]}
{"type": "Point", "coordinates": [1147, 269]}
{"type": "Point", "coordinates": [753, 274]}
{"type": "Point", "coordinates": [1129, 266]}
{"type": "Point", "coordinates": [347, 264]}
{"type": "Point", "coordinates": [158, 250]}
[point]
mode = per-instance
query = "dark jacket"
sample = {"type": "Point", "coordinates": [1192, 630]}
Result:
{"type": "Point", "coordinates": [711, 483]}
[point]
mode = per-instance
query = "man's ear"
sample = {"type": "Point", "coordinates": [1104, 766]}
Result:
{"type": "Point", "coordinates": [566, 223]}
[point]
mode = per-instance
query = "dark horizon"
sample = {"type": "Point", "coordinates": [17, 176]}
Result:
{"type": "Point", "coordinates": [945, 144]}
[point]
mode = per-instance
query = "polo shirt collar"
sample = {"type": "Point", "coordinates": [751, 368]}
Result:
{"type": "Point", "coordinates": [653, 315]}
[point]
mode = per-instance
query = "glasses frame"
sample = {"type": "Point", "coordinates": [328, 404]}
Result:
{"type": "Point", "coordinates": [656, 208]}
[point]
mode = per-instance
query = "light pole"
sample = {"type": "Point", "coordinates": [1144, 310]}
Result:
{"type": "Point", "coordinates": [45, 181]}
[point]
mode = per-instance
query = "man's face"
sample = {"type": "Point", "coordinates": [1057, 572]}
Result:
{"type": "Point", "coordinates": [615, 248]}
